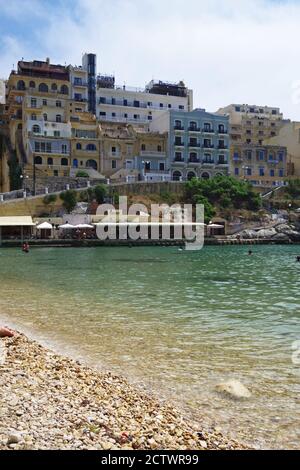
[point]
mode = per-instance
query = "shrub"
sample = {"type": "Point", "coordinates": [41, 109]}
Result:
{"type": "Point", "coordinates": [82, 174]}
{"type": "Point", "coordinates": [69, 199]}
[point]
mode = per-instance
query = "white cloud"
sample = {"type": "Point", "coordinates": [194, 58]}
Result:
{"type": "Point", "coordinates": [227, 51]}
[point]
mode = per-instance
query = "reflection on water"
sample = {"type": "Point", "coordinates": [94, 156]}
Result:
{"type": "Point", "coordinates": [180, 322]}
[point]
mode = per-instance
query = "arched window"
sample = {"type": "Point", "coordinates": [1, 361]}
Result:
{"type": "Point", "coordinates": [78, 146]}
{"type": "Point", "coordinates": [38, 160]}
{"type": "Point", "coordinates": [91, 148]}
{"type": "Point", "coordinates": [50, 161]}
{"type": "Point", "coordinates": [92, 164]}
{"type": "Point", "coordinates": [205, 176]}
{"type": "Point", "coordinates": [20, 127]}
{"type": "Point", "coordinates": [45, 116]}
{"type": "Point", "coordinates": [33, 117]}
{"type": "Point", "coordinates": [177, 175]}
{"type": "Point", "coordinates": [58, 118]}
{"type": "Point", "coordinates": [21, 85]}
{"type": "Point", "coordinates": [75, 163]}
{"type": "Point", "coordinates": [178, 124]}
{"type": "Point", "coordinates": [191, 175]}
{"type": "Point", "coordinates": [32, 84]}
{"type": "Point", "coordinates": [64, 90]}
{"type": "Point", "coordinates": [64, 162]}
{"type": "Point", "coordinates": [36, 129]}
{"type": "Point", "coordinates": [193, 126]}
{"type": "Point", "coordinates": [43, 88]}
{"type": "Point", "coordinates": [53, 87]}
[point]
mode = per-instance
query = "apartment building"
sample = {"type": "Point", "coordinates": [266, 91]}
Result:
{"type": "Point", "coordinates": [198, 143]}
{"type": "Point", "coordinates": [251, 156]}
{"type": "Point", "coordinates": [140, 107]}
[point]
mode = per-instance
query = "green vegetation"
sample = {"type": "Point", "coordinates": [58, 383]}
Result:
{"type": "Point", "coordinates": [222, 192]}
{"type": "Point", "coordinates": [15, 172]}
{"type": "Point", "coordinates": [50, 200]}
{"type": "Point", "coordinates": [100, 192]}
{"type": "Point", "coordinates": [69, 199]}
{"type": "Point", "coordinates": [293, 189]}
{"type": "Point", "coordinates": [82, 174]}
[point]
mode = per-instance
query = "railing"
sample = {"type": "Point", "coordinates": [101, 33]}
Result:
{"type": "Point", "coordinates": [208, 130]}
{"type": "Point", "coordinates": [194, 144]}
{"type": "Point", "coordinates": [178, 128]}
{"type": "Point", "coordinates": [80, 84]}
{"type": "Point", "coordinates": [194, 129]}
{"type": "Point", "coordinates": [145, 153]}
{"type": "Point", "coordinates": [179, 144]}
{"type": "Point", "coordinates": [208, 146]}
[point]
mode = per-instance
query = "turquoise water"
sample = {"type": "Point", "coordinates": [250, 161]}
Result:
{"type": "Point", "coordinates": [177, 322]}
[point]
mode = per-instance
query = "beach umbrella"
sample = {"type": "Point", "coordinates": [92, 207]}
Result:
{"type": "Point", "coordinates": [84, 226]}
{"type": "Point", "coordinates": [44, 226]}
{"type": "Point", "coordinates": [67, 226]}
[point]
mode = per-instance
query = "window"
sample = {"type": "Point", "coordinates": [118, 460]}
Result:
{"type": "Point", "coordinates": [169, 106]}
{"type": "Point", "coordinates": [102, 100]}
{"type": "Point", "coordinates": [77, 81]}
{"type": "Point", "coordinates": [43, 88]}
{"type": "Point", "coordinates": [159, 148]}
{"type": "Point", "coordinates": [238, 109]}
{"type": "Point", "coordinates": [274, 112]}
{"type": "Point", "coordinates": [33, 117]}
{"type": "Point", "coordinates": [37, 146]}
{"type": "Point", "coordinates": [150, 118]}
{"type": "Point", "coordinates": [236, 171]}
{"type": "Point", "coordinates": [58, 118]}
{"type": "Point", "coordinates": [64, 162]}
{"type": "Point", "coordinates": [21, 85]}
{"type": "Point", "coordinates": [177, 176]}
{"type": "Point", "coordinates": [36, 129]}
{"type": "Point", "coordinates": [113, 115]}
{"type": "Point", "coordinates": [178, 141]}
{"type": "Point", "coordinates": [248, 141]}
{"type": "Point", "coordinates": [44, 102]}
{"type": "Point", "coordinates": [248, 171]}
{"type": "Point", "coordinates": [161, 105]}
{"type": "Point", "coordinates": [143, 147]}
{"type": "Point", "coordinates": [207, 127]}
{"type": "Point", "coordinates": [181, 107]}
{"type": "Point", "coordinates": [45, 117]}
{"type": "Point", "coordinates": [136, 104]}
{"type": "Point", "coordinates": [280, 156]}
{"type": "Point", "coordinates": [102, 113]}
{"type": "Point", "coordinates": [64, 90]}
{"type": "Point", "coordinates": [261, 155]}
{"type": "Point", "coordinates": [178, 124]}
{"type": "Point", "coordinates": [114, 150]}
{"type": "Point", "coordinates": [193, 126]}
{"type": "Point", "coordinates": [55, 173]}
{"type": "Point", "coordinates": [56, 133]}
{"type": "Point", "coordinates": [221, 129]}
{"type": "Point", "coordinates": [136, 116]}
{"type": "Point", "coordinates": [75, 163]}
{"type": "Point", "coordinates": [272, 173]}
{"type": "Point", "coordinates": [161, 167]}
{"type": "Point", "coordinates": [125, 115]}
{"type": "Point", "coordinates": [261, 171]}
{"type": "Point", "coordinates": [281, 173]}
{"type": "Point", "coordinates": [78, 146]}
{"type": "Point", "coordinates": [38, 160]}
{"type": "Point", "coordinates": [236, 156]}
{"type": "Point", "coordinates": [48, 147]}
{"type": "Point", "coordinates": [53, 87]}
{"type": "Point", "coordinates": [113, 164]}
{"type": "Point", "coordinates": [50, 161]}
{"type": "Point", "coordinates": [249, 154]}
{"type": "Point", "coordinates": [32, 85]}
{"type": "Point", "coordinates": [178, 157]}
{"type": "Point", "coordinates": [64, 148]}
{"type": "Point", "coordinates": [125, 102]}
{"type": "Point", "coordinates": [252, 110]}
{"type": "Point", "coordinates": [193, 157]}
{"type": "Point", "coordinates": [58, 104]}
{"type": "Point", "coordinates": [33, 102]}
{"type": "Point", "coordinates": [113, 101]}
{"type": "Point", "coordinates": [222, 160]}
{"type": "Point", "coordinates": [91, 148]}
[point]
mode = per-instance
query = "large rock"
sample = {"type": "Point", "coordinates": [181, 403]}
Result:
{"type": "Point", "coordinates": [281, 237]}
{"type": "Point", "coordinates": [233, 389]}
{"type": "Point", "coordinates": [248, 234]}
{"type": "Point", "coordinates": [266, 233]}
{"type": "Point", "coordinates": [284, 228]}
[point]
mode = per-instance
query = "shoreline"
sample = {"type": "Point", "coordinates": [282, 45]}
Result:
{"type": "Point", "coordinates": [49, 401]}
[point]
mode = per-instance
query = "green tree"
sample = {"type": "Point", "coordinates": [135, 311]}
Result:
{"type": "Point", "coordinates": [69, 199]}
{"type": "Point", "coordinates": [100, 192]}
{"type": "Point", "coordinates": [50, 200]}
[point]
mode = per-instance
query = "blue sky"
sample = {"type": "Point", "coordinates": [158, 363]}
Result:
{"type": "Point", "coordinates": [228, 51]}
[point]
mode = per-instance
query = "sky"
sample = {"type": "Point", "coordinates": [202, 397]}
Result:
{"type": "Point", "coordinates": [227, 51]}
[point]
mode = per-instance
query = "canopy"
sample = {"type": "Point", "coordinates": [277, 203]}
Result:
{"type": "Point", "coordinates": [44, 226]}
{"type": "Point", "coordinates": [84, 226]}
{"type": "Point", "coordinates": [67, 226]}
{"type": "Point", "coordinates": [16, 221]}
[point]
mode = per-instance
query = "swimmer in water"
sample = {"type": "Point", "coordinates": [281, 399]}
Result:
{"type": "Point", "coordinates": [298, 259]}
{"type": "Point", "coordinates": [250, 252]}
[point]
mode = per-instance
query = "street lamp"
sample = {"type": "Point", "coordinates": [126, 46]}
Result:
{"type": "Point", "coordinates": [24, 178]}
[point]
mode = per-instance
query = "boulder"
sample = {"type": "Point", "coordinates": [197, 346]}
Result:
{"type": "Point", "coordinates": [284, 228]}
{"type": "Point", "coordinates": [266, 233]}
{"type": "Point", "coordinates": [248, 234]}
{"type": "Point", "coordinates": [234, 389]}
{"type": "Point", "coordinates": [281, 237]}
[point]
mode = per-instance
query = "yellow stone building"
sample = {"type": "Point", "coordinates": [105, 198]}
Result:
{"type": "Point", "coordinates": [289, 136]}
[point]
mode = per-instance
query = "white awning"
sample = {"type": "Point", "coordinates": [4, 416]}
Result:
{"type": "Point", "coordinates": [44, 226]}
{"type": "Point", "coordinates": [16, 221]}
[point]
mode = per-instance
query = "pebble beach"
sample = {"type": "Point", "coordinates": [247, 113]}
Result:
{"type": "Point", "coordinates": [52, 402]}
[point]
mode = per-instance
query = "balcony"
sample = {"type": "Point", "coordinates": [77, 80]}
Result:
{"type": "Point", "coordinates": [179, 160]}
{"type": "Point", "coordinates": [207, 130]}
{"type": "Point", "coordinates": [222, 163]}
{"type": "Point", "coordinates": [194, 145]}
{"type": "Point", "coordinates": [193, 161]}
{"type": "Point", "coordinates": [178, 128]}
{"type": "Point", "coordinates": [80, 84]}
{"type": "Point", "coordinates": [194, 129]}
{"type": "Point", "coordinates": [208, 146]}
{"type": "Point", "coordinates": [179, 144]}
{"type": "Point", "coordinates": [273, 162]}
{"type": "Point", "coordinates": [153, 154]}
{"type": "Point", "coordinates": [209, 163]}
{"type": "Point", "coordinates": [223, 147]}
{"type": "Point", "coordinates": [223, 132]}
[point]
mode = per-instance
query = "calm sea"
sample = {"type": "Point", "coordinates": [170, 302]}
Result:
{"type": "Point", "coordinates": [177, 322]}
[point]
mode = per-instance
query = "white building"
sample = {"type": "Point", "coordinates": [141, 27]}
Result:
{"type": "Point", "coordinates": [140, 106]}
{"type": "Point", "coordinates": [2, 91]}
